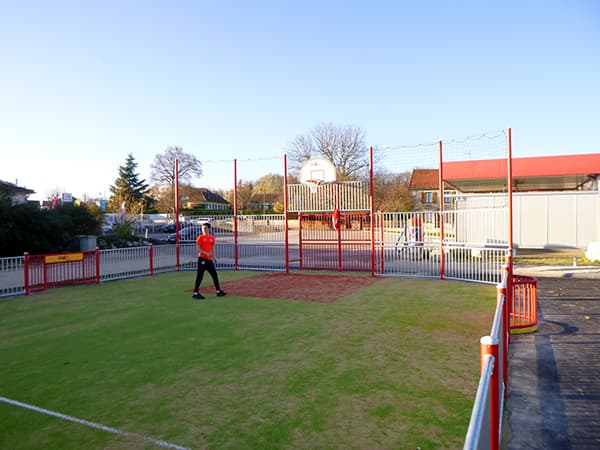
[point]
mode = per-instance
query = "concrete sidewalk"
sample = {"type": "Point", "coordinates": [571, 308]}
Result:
{"type": "Point", "coordinates": [554, 373]}
{"type": "Point", "coordinates": [552, 271]}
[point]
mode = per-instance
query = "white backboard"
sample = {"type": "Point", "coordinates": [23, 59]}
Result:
{"type": "Point", "coordinates": [317, 169]}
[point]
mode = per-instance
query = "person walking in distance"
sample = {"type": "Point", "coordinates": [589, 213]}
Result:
{"type": "Point", "coordinates": [206, 261]}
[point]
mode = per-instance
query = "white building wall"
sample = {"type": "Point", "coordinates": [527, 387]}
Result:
{"type": "Point", "coordinates": [540, 219]}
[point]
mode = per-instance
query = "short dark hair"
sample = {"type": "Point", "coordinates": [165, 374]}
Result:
{"type": "Point", "coordinates": [206, 224]}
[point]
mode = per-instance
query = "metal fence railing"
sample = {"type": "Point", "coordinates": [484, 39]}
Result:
{"type": "Point", "coordinates": [516, 298]}
{"type": "Point", "coordinates": [485, 424]}
{"type": "Point", "coordinates": [404, 244]}
{"type": "Point", "coordinates": [11, 276]}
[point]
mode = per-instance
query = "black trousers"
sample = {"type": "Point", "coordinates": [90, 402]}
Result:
{"type": "Point", "coordinates": [208, 266]}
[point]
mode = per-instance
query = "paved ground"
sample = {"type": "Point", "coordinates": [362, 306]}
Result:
{"type": "Point", "coordinates": [554, 373]}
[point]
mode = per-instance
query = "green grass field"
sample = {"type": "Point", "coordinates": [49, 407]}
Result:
{"type": "Point", "coordinates": [393, 365]}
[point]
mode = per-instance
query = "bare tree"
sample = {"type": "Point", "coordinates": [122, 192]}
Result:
{"type": "Point", "coordinates": [245, 189]}
{"type": "Point", "coordinates": [391, 192]}
{"type": "Point", "coordinates": [343, 145]}
{"type": "Point", "coordinates": [163, 167]}
{"type": "Point", "coordinates": [269, 184]}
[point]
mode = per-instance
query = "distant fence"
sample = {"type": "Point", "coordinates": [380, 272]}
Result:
{"type": "Point", "coordinates": [396, 244]}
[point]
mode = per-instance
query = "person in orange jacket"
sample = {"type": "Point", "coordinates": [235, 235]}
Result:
{"type": "Point", "coordinates": [206, 261]}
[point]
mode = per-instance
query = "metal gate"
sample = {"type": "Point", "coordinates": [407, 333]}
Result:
{"type": "Point", "coordinates": [335, 241]}
{"type": "Point", "coordinates": [59, 269]}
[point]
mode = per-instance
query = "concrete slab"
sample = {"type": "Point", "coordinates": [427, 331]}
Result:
{"type": "Point", "coordinates": [554, 373]}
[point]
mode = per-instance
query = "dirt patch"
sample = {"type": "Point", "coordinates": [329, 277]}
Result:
{"type": "Point", "coordinates": [306, 288]}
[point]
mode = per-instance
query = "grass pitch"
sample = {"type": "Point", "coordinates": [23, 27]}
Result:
{"type": "Point", "coordinates": [393, 365]}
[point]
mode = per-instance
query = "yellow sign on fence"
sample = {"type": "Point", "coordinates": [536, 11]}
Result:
{"type": "Point", "coordinates": [63, 257]}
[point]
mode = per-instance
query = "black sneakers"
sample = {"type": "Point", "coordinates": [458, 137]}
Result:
{"type": "Point", "coordinates": [199, 296]}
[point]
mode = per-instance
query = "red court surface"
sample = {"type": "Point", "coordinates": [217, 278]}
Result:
{"type": "Point", "coordinates": [299, 287]}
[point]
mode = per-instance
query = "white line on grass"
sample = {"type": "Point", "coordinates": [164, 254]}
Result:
{"type": "Point", "coordinates": [93, 425]}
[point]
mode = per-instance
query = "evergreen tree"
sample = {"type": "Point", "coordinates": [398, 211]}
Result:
{"type": "Point", "coordinates": [128, 189]}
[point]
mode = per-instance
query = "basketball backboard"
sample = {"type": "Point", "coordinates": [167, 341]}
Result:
{"type": "Point", "coordinates": [317, 170]}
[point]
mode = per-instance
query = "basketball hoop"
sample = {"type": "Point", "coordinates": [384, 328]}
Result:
{"type": "Point", "coordinates": [317, 171]}
{"type": "Point", "coordinates": [312, 185]}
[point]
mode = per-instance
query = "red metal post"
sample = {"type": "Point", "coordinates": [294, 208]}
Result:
{"type": "Point", "coordinates": [26, 272]}
{"type": "Point", "coordinates": [151, 255]}
{"type": "Point", "coordinates": [510, 193]}
{"type": "Point", "coordinates": [97, 265]}
{"type": "Point", "coordinates": [235, 217]}
{"type": "Point", "coordinates": [177, 214]}
{"type": "Point", "coordinates": [338, 228]}
{"type": "Point", "coordinates": [510, 293]}
{"type": "Point", "coordinates": [382, 253]}
{"type": "Point", "coordinates": [372, 212]}
{"type": "Point", "coordinates": [441, 196]}
{"type": "Point", "coordinates": [300, 237]}
{"type": "Point", "coordinates": [285, 212]}
{"type": "Point", "coordinates": [45, 272]}
{"type": "Point", "coordinates": [489, 346]}
{"type": "Point", "coordinates": [501, 292]}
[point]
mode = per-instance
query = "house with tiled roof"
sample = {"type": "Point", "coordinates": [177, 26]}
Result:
{"type": "Point", "coordinates": [424, 187]}
{"type": "Point", "coordinates": [17, 194]}
{"type": "Point", "coordinates": [206, 199]}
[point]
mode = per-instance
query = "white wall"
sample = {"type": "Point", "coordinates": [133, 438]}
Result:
{"type": "Point", "coordinates": [547, 219]}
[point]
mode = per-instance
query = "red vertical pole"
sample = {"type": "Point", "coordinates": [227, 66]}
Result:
{"type": "Point", "coordinates": [97, 256]}
{"type": "Point", "coordinates": [285, 212]}
{"type": "Point", "coordinates": [235, 217]}
{"type": "Point", "coordinates": [339, 228]}
{"type": "Point", "coordinates": [177, 214]}
{"type": "Point", "coordinates": [26, 272]}
{"type": "Point", "coordinates": [489, 346]}
{"type": "Point", "coordinates": [382, 244]}
{"type": "Point", "coordinates": [510, 293]}
{"type": "Point", "coordinates": [501, 293]}
{"type": "Point", "coordinates": [151, 255]}
{"type": "Point", "coordinates": [533, 299]}
{"type": "Point", "coordinates": [45, 272]}
{"type": "Point", "coordinates": [441, 196]}
{"type": "Point", "coordinates": [510, 193]}
{"type": "Point", "coordinates": [372, 213]}
{"type": "Point", "coordinates": [300, 237]}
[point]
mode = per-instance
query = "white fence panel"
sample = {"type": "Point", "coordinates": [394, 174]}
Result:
{"type": "Point", "coordinates": [12, 281]}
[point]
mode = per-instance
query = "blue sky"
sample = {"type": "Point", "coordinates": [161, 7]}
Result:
{"type": "Point", "coordinates": [82, 84]}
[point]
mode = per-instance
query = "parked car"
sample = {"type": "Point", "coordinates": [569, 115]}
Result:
{"type": "Point", "coordinates": [187, 234]}
{"type": "Point", "coordinates": [107, 228]}
{"type": "Point", "coordinates": [169, 228]}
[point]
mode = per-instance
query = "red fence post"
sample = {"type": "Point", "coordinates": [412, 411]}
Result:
{"type": "Point", "coordinates": [26, 272]}
{"type": "Point", "coordinates": [510, 293]}
{"type": "Point", "coordinates": [45, 272]}
{"type": "Point", "coordinates": [338, 227]}
{"type": "Point", "coordinates": [286, 212]}
{"type": "Point", "coordinates": [236, 255]}
{"type": "Point", "coordinates": [501, 291]}
{"type": "Point", "coordinates": [489, 346]}
{"type": "Point", "coordinates": [97, 265]}
{"type": "Point", "coordinates": [300, 238]}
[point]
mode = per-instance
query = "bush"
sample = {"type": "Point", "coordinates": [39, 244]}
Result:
{"type": "Point", "coordinates": [27, 228]}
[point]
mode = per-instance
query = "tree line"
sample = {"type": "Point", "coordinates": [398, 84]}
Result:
{"type": "Point", "coordinates": [344, 145]}
{"type": "Point", "coordinates": [28, 228]}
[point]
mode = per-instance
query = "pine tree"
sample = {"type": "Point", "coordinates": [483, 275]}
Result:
{"type": "Point", "coordinates": [128, 191]}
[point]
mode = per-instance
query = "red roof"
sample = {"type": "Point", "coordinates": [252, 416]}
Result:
{"type": "Point", "coordinates": [541, 166]}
